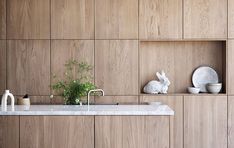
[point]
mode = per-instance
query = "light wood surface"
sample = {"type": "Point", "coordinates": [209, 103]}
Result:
{"type": "Point", "coordinates": [176, 121]}
{"type": "Point", "coordinates": [28, 19]}
{"type": "Point", "coordinates": [116, 66]}
{"type": "Point", "coordinates": [205, 122]}
{"type": "Point", "coordinates": [116, 19]}
{"type": "Point", "coordinates": [131, 132]}
{"type": "Point", "coordinates": [2, 65]}
{"type": "Point", "coordinates": [230, 69]}
{"type": "Point", "coordinates": [72, 19]}
{"type": "Point", "coordinates": [9, 131]}
{"type": "Point", "coordinates": [230, 19]}
{"type": "Point", "coordinates": [28, 67]}
{"type": "Point", "coordinates": [64, 50]}
{"type": "Point", "coordinates": [117, 99]}
{"type": "Point", "coordinates": [179, 60]}
{"type": "Point", "coordinates": [160, 19]}
{"type": "Point", "coordinates": [230, 121]}
{"type": "Point", "coordinates": [205, 19]}
{"type": "Point", "coordinates": [57, 131]}
{"type": "Point", "coordinates": [2, 19]}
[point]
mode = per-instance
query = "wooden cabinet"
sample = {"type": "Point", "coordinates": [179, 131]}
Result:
{"type": "Point", "coordinates": [205, 121]}
{"type": "Point", "coordinates": [230, 121]}
{"type": "Point", "coordinates": [230, 63]}
{"type": "Point", "coordinates": [28, 19]}
{"type": "Point", "coordinates": [131, 132]}
{"type": "Point", "coordinates": [2, 65]}
{"type": "Point", "coordinates": [57, 132]}
{"type": "Point", "coordinates": [116, 66]}
{"type": "Point", "coordinates": [72, 19]}
{"type": "Point", "coordinates": [205, 19]}
{"type": "Point", "coordinates": [28, 67]}
{"type": "Point", "coordinates": [160, 19]}
{"type": "Point", "coordinates": [230, 18]}
{"type": "Point", "coordinates": [176, 121]}
{"type": "Point", "coordinates": [2, 19]}
{"type": "Point", "coordinates": [116, 19]}
{"type": "Point", "coordinates": [9, 131]}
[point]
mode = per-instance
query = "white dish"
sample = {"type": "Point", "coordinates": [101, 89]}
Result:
{"type": "Point", "coordinates": [214, 88]}
{"type": "Point", "coordinates": [193, 90]}
{"type": "Point", "coordinates": [204, 75]}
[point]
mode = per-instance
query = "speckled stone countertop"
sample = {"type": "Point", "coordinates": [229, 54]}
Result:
{"type": "Point", "coordinates": [84, 110]}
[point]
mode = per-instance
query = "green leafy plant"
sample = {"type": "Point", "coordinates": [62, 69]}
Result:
{"type": "Point", "coordinates": [76, 82]}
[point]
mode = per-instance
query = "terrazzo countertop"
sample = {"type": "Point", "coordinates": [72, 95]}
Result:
{"type": "Point", "coordinates": [61, 110]}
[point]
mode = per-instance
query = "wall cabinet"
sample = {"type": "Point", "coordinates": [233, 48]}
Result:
{"type": "Point", "coordinates": [2, 19]}
{"type": "Point", "coordinates": [205, 19]}
{"type": "Point", "coordinates": [160, 19]}
{"type": "Point", "coordinates": [205, 122]}
{"type": "Point", "coordinates": [57, 132]}
{"type": "Point", "coordinates": [176, 121]}
{"type": "Point", "coordinates": [230, 18]}
{"type": "Point", "coordinates": [131, 132]}
{"type": "Point", "coordinates": [9, 131]}
{"type": "Point", "coordinates": [230, 121]}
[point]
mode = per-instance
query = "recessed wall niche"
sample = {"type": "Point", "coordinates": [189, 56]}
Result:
{"type": "Point", "coordinates": [179, 59]}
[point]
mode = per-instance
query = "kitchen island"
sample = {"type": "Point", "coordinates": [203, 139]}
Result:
{"type": "Point", "coordinates": [96, 126]}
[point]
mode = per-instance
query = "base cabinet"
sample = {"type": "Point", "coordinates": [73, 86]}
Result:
{"type": "Point", "coordinates": [131, 132]}
{"type": "Point", "coordinates": [56, 132]}
{"type": "Point", "coordinates": [205, 122]}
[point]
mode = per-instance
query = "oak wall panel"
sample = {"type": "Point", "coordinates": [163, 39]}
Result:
{"type": "Point", "coordinates": [72, 19]}
{"type": "Point", "coordinates": [230, 18]}
{"type": "Point", "coordinates": [2, 19]}
{"type": "Point", "coordinates": [205, 19]}
{"type": "Point", "coordinates": [116, 66]}
{"type": "Point", "coordinates": [28, 19]}
{"type": "Point", "coordinates": [2, 65]}
{"type": "Point", "coordinates": [160, 19]}
{"type": "Point", "coordinates": [116, 19]}
{"type": "Point", "coordinates": [28, 67]}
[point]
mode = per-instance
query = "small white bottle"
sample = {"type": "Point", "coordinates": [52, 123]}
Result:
{"type": "Point", "coordinates": [4, 100]}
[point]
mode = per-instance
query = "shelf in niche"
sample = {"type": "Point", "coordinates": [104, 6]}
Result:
{"type": "Point", "coordinates": [179, 58]}
{"type": "Point", "coordinates": [184, 94]}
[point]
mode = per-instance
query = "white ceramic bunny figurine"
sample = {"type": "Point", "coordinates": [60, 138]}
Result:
{"type": "Point", "coordinates": [155, 87]}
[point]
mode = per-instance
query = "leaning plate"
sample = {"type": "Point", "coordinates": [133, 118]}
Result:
{"type": "Point", "coordinates": [204, 75]}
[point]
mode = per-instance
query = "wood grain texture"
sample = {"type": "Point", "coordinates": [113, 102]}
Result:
{"type": "Point", "coordinates": [160, 19]}
{"type": "Point", "coordinates": [72, 19]}
{"type": "Point", "coordinates": [230, 70]}
{"type": "Point", "coordinates": [28, 67]}
{"type": "Point", "coordinates": [179, 60]}
{"type": "Point", "coordinates": [9, 131]}
{"type": "Point", "coordinates": [64, 50]}
{"type": "Point", "coordinates": [116, 19]}
{"type": "Point", "coordinates": [2, 19]}
{"type": "Point", "coordinates": [176, 121]}
{"type": "Point", "coordinates": [116, 66]}
{"type": "Point", "coordinates": [205, 19]}
{"type": "Point", "coordinates": [205, 122]}
{"type": "Point", "coordinates": [230, 18]}
{"type": "Point", "coordinates": [230, 121]}
{"type": "Point", "coordinates": [117, 99]}
{"type": "Point", "coordinates": [57, 131]}
{"type": "Point", "coordinates": [131, 132]}
{"type": "Point", "coordinates": [28, 19]}
{"type": "Point", "coordinates": [2, 65]}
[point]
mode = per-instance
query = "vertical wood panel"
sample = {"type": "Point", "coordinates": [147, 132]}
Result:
{"type": "Point", "coordinates": [28, 19]}
{"type": "Point", "coordinates": [2, 19]}
{"type": "Point", "coordinates": [2, 65]}
{"type": "Point", "coordinates": [160, 19]}
{"type": "Point", "coordinates": [205, 19]}
{"type": "Point", "coordinates": [131, 132]}
{"type": "Point", "coordinates": [116, 66]}
{"type": "Point", "coordinates": [230, 18]}
{"type": "Point", "coordinates": [205, 122]}
{"type": "Point", "coordinates": [28, 67]}
{"type": "Point", "coordinates": [116, 19]}
{"type": "Point", "coordinates": [57, 131]}
{"type": "Point", "coordinates": [176, 121]}
{"type": "Point", "coordinates": [230, 121]}
{"type": "Point", "coordinates": [72, 19]}
{"type": "Point", "coordinates": [230, 70]}
{"type": "Point", "coordinates": [9, 131]}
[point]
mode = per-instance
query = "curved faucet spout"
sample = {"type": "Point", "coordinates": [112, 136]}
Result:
{"type": "Point", "coordinates": [94, 90]}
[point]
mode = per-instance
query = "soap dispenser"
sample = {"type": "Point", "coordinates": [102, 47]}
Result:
{"type": "Point", "coordinates": [4, 100]}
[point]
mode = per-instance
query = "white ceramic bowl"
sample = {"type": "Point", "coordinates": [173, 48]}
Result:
{"type": "Point", "coordinates": [193, 90]}
{"type": "Point", "coordinates": [214, 88]}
